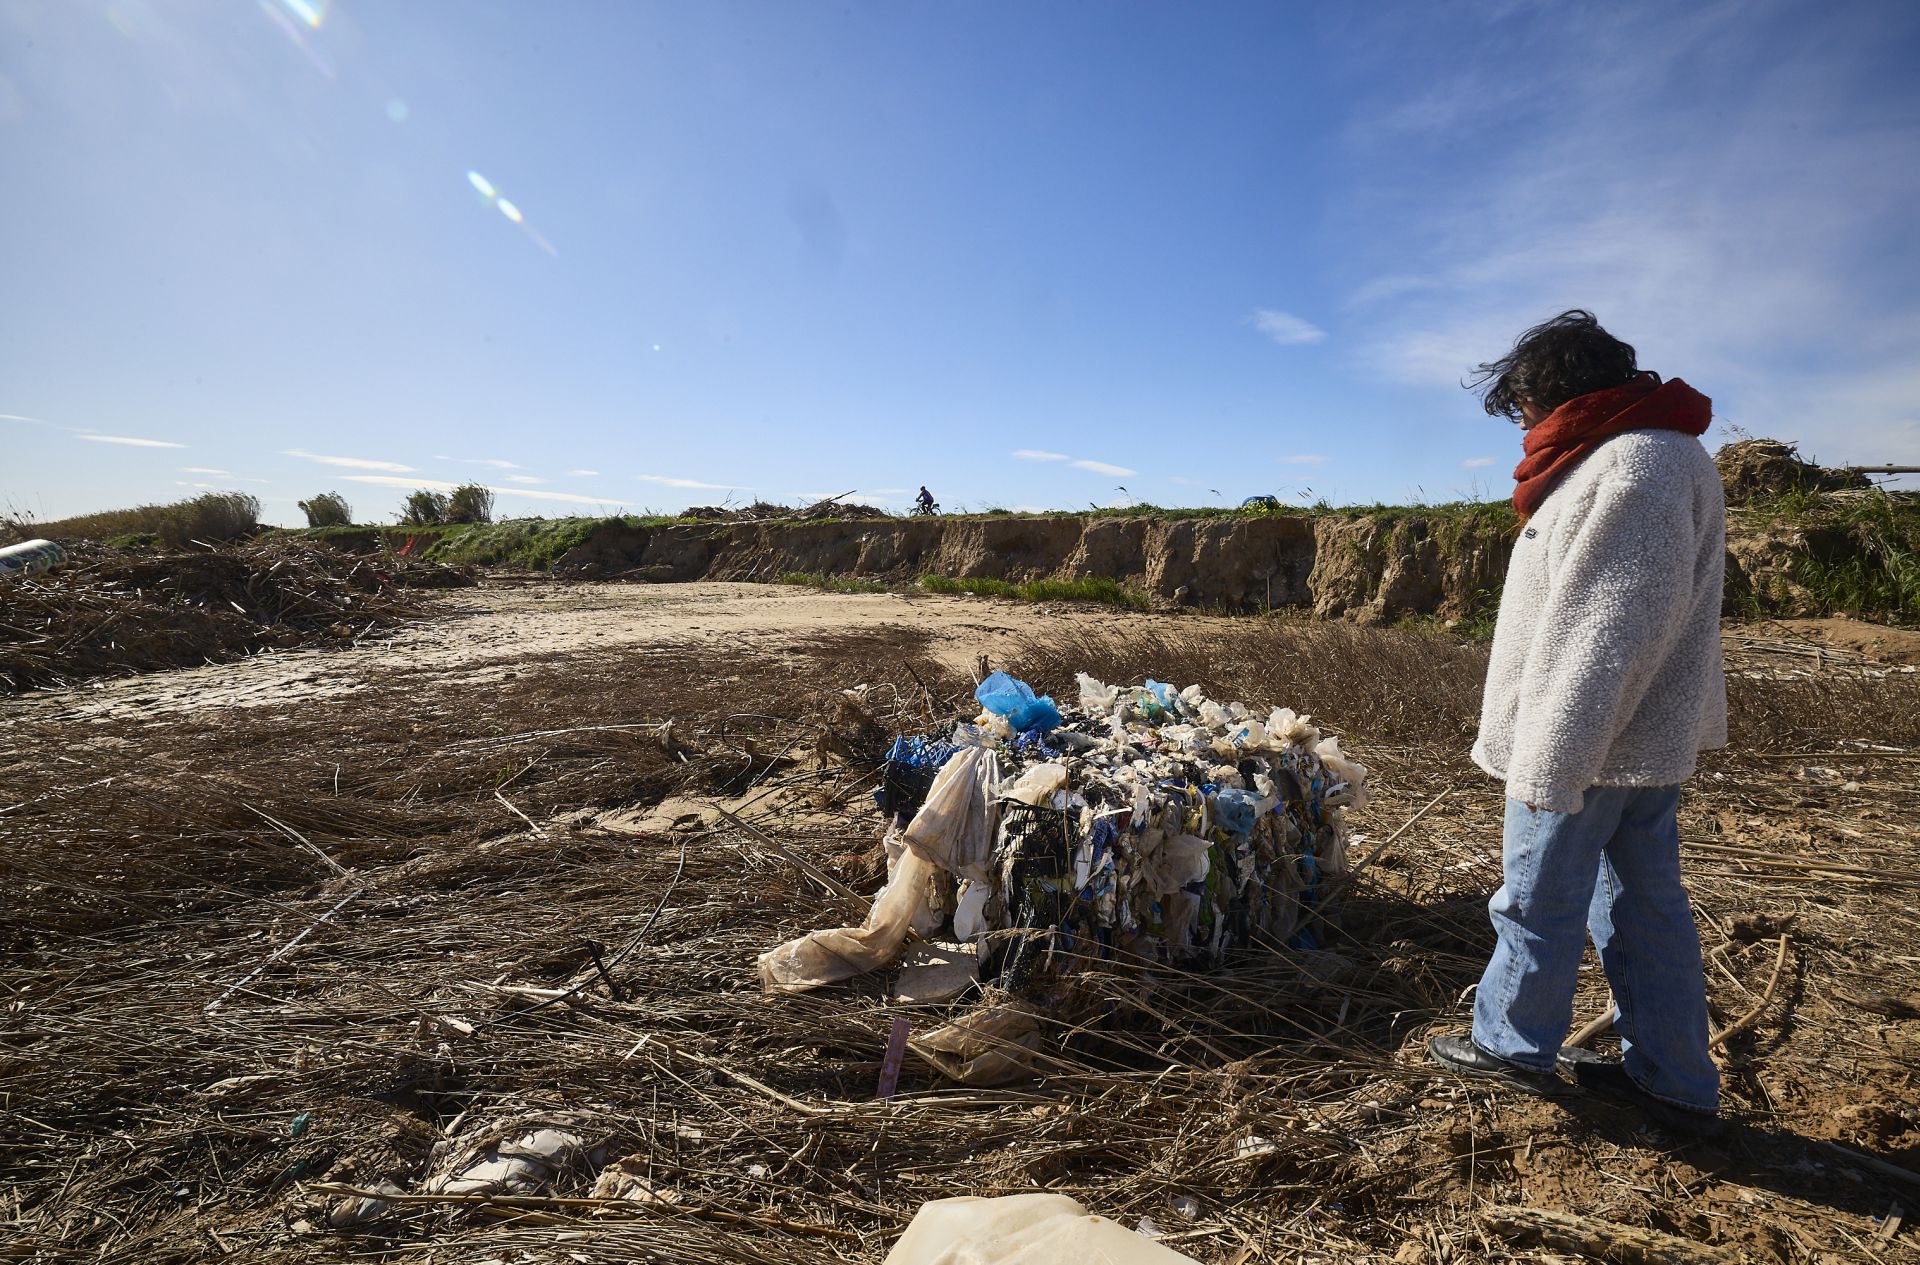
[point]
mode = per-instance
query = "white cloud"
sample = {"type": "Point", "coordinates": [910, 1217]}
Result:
{"type": "Point", "coordinates": [21, 417]}
{"type": "Point", "coordinates": [495, 462]}
{"type": "Point", "coordinates": [1474, 463]}
{"type": "Point", "coordinates": [131, 442]}
{"type": "Point", "coordinates": [352, 463]}
{"type": "Point", "coordinates": [393, 481]}
{"type": "Point", "coordinates": [1036, 454]}
{"type": "Point", "coordinates": [1645, 186]}
{"type": "Point", "coordinates": [570, 498]}
{"type": "Point", "coordinates": [1303, 459]}
{"type": "Point", "coordinates": [202, 470]}
{"type": "Point", "coordinates": [584, 474]}
{"type": "Point", "coordinates": [1101, 467]}
{"type": "Point", "coordinates": [525, 478]}
{"type": "Point", "coordinates": [1285, 328]}
{"type": "Point", "coordinates": [666, 481]}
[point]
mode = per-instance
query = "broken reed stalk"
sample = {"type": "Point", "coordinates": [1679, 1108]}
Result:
{"type": "Point", "coordinates": [1601, 1240]}
{"type": "Point", "coordinates": [598, 1207]}
{"type": "Point", "coordinates": [1374, 855]}
{"type": "Point", "coordinates": [1752, 1016]}
{"type": "Point", "coordinates": [1594, 1026]}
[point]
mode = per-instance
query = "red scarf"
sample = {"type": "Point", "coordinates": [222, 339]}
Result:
{"type": "Point", "coordinates": [1577, 427]}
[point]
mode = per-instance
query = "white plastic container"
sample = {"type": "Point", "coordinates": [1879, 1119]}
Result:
{"type": "Point", "coordinates": [30, 558]}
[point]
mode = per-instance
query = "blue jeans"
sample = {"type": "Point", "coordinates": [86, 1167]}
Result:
{"type": "Point", "coordinates": [1613, 868]}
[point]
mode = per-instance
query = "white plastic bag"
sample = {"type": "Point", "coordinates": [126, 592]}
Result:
{"type": "Point", "coordinates": [954, 828]}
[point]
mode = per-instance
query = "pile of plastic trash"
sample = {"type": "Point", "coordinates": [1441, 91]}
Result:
{"type": "Point", "coordinates": [1146, 825]}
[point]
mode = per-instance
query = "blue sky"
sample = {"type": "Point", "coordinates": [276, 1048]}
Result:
{"type": "Point", "coordinates": [651, 255]}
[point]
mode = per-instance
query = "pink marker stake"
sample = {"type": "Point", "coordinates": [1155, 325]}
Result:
{"type": "Point", "coordinates": [896, 1054]}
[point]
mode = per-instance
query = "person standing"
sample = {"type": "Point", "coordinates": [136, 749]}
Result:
{"type": "Point", "coordinates": [1606, 680]}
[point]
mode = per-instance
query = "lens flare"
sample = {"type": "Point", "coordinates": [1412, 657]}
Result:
{"type": "Point", "coordinates": [297, 20]}
{"type": "Point", "coordinates": [487, 190]}
{"type": "Point", "coordinates": [312, 12]}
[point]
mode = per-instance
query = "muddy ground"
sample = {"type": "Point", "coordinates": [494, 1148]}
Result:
{"type": "Point", "coordinates": [277, 930]}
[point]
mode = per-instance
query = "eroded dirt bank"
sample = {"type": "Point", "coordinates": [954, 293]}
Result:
{"type": "Point", "coordinates": [1372, 569]}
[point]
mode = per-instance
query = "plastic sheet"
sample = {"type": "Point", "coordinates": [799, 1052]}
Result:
{"type": "Point", "coordinates": [1035, 1229]}
{"type": "Point", "coordinates": [826, 957]}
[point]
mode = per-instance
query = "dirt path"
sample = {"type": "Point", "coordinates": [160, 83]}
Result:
{"type": "Point", "coordinates": [472, 636]}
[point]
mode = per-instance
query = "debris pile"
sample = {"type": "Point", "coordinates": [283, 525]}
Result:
{"type": "Point", "coordinates": [1145, 826]}
{"type": "Point", "coordinates": [108, 612]}
{"type": "Point", "coordinates": [1755, 469]}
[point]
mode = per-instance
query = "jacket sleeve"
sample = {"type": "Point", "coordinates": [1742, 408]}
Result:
{"type": "Point", "coordinates": [1619, 580]}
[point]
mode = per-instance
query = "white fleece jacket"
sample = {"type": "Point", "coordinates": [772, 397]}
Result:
{"type": "Point", "coordinates": [1606, 667]}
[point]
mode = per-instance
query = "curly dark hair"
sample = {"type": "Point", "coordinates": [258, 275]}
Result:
{"type": "Point", "coordinates": [1552, 363]}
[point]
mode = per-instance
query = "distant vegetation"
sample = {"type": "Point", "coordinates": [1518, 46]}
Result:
{"type": "Point", "coordinates": [424, 508]}
{"type": "Point", "coordinates": [212, 518]}
{"type": "Point", "coordinates": [470, 503]}
{"type": "Point", "coordinates": [429, 507]}
{"type": "Point", "coordinates": [1848, 552]}
{"type": "Point", "coordinates": [329, 509]}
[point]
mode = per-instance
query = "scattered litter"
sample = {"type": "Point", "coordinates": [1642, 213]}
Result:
{"type": "Point", "coordinates": [513, 1158]}
{"type": "Point", "coordinates": [628, 1179]}
{"type": "Point", "coordinates": [936, 971]}
{"type": "Point", "coordinates": [358, 1210]}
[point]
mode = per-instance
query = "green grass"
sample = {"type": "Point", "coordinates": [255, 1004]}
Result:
{"type": "Point", "coordinates": [533, 543]}
{"type": "Point", "coordinates": [1863, 555]}
{"type": "Point", "coordinates": [1090, 589]}
{"type": "Point", "coordinates": [832, 583]}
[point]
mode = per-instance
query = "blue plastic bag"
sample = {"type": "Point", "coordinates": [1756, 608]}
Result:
{"type": "Point", "coordinates": [1006, 696]}
{"type": "Point", "coordinates": [1233, 811]}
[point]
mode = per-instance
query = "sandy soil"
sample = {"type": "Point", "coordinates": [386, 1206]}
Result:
{"type": "Point", "coordinates": [472, 635]}
{"type": "Point", "coordinates": [1875, 641]}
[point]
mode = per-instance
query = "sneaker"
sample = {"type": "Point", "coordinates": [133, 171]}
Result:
{"type": "Point", "coordinates": [1460, 1055]}
{"type": "Point", "coordinates": [1607, 1078]}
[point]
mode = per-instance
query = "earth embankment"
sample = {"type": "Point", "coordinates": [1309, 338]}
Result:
{"type": "Point", "coordinates": [1368, 568]}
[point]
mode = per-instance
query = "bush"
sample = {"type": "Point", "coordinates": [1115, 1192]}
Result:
{"type": "Point", "coordinates": [329, 509]}
{"type": "Point", "coordinates": [424, 508]}
{"type": "Point", "coordinates": [212, 518]}
{"type": "Point", "coordinates": [470, 503]}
